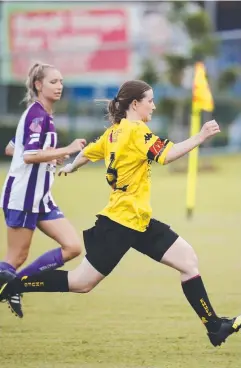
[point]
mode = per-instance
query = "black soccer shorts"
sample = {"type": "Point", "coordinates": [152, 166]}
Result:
{"type": "Point", "coordinates": [107, 242]}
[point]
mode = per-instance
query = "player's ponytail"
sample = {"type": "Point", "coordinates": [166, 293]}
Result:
{"type": "Point", "coordinates": [115, 112]}
{"type": "Point", "coordinates": [36, 73]}
{"type": "Point", "coordinates": [128, 92]}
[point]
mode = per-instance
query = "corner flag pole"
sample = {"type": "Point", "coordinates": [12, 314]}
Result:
{"type": "Point", "coordinates": [193, 163]}
{"type": "Point", "coordinates": [201, 100]}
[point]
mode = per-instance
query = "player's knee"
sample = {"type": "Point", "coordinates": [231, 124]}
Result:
{"type": "Point", "coordinates": [190, 265]}
{"type": "Point", "coordinates": [87, 288]}
{"type": "Point", "coordinates": [78, 283]}
{"type": "Point", "coordinates": [20, 259]}
{"type": "Point", "coordinates": [72, 250]}
{"type": "Point", "coordinates": [82, 289]}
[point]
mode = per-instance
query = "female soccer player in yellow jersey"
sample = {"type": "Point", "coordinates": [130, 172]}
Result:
{"type": "Point", "coordinates": [129, 147]}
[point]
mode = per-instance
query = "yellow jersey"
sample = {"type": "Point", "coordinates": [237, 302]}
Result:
{"type": "Point", "coordinates": [129, 148]}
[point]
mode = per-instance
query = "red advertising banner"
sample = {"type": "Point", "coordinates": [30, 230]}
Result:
{"type": "Point", "coordinates": [80, 40]}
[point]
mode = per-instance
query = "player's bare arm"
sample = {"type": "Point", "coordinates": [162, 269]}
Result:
{"type": "Point", "coordinates": [209, 129]}
{"type": "Point", "coordinates": [79, 161]}
{"type": "Point", "coordinates": [53, 154]}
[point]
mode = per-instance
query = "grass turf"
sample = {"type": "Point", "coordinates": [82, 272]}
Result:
{"type": "Point", "coordinates": [138, 316]}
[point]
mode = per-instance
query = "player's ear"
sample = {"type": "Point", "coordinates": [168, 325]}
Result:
{"type": "Point", "coordinates": [38, 86]}
{"type": "Point", "coordinates": [134, 104]}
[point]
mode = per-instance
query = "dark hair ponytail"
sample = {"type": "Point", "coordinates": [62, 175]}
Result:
{"type": "Point", "coordinates": [115, 112]}
{"type": "Point", "coordinates": [128, 92]}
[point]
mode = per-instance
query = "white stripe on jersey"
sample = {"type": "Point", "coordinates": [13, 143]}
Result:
{"type": "Point", "coordinates": [51, 138]}
{"type": "Point", "coordinates": [42, 175]}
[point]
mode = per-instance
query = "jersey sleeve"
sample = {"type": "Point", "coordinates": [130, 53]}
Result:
{"type": "Point", "coordinates": [12, 142]}
{"type": "Point", "coordinates": [95, 151]}
{"type": "Point", "coordinates": [149, 146]}
{"type": "Point", "coordinates": [35, 130]}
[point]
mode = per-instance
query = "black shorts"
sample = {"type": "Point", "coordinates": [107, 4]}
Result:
{"type": "Point", "coordinates": [107, 242]}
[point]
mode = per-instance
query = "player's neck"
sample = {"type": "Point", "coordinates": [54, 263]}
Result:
{"type": "Point", "coordinates": [47, 105]}
{"type": "Point", "coordinates": [132, 116]}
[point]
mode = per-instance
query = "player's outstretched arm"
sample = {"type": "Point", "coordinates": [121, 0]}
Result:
{"type": "Point", "coordinates": [54, 154]}
{"type": "Point", "coordinates": [79, 161]}
{"type": "Point", "coordinates": [178, 150]}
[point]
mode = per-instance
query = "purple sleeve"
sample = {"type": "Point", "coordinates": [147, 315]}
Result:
{"type": "Point", "coordinates": [35, 130]}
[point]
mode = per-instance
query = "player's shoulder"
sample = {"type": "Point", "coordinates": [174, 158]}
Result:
{"type": "Point", "coordinates": [37, 111]}
{"type": "Point", "coordinates": [131, 126]}
{"type": "Point", "coordinates": [139, 127]}
{"type": "Point", "coordinates": [102, 136]}
{"type": "Point", "coordinates": [36, 117]}
{"type": "Point", "coordinates": [107, 130]}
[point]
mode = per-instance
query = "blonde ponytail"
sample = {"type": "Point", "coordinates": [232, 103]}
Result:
{"type": "Point", "coordinates": [36, 73]}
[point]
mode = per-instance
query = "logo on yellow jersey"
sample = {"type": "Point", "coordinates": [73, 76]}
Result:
{"type": "Point", "coordinates": [147, 137]}
{"type": "Point", "coordinates": [113, 137]}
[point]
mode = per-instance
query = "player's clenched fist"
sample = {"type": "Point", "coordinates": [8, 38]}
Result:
{"type": "Point", "coordinates": [209, 129]}
{"type": "Point", "coordinates": [76, 146]}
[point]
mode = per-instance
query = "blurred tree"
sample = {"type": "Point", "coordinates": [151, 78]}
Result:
{"type": "Point", "coordinates": [149, 72]}
{"type": "Point", "coordinates": [203, 44]}
{"type": "Point", "coordinates": [229, 77]}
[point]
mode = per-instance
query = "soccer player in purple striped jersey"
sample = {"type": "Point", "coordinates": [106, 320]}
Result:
{"type": "Point", "coordinates": [26, 197]}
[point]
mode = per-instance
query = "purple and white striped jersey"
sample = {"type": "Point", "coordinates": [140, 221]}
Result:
{"type": "Point", "coordinates": [27, 186]}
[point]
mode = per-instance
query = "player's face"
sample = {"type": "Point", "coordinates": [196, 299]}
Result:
{"type": "Point", "coordinates": [52, 85]}
{"type": "Point", "coordinates": [146, 106]}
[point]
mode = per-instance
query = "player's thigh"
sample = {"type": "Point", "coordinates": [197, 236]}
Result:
{"type": "Point", "coordinates": [181, 256]}
{"type": "Point", "coordinates": [84, 277]}
{"type": "Point", "coordinates": [156, 240]}
{"type": "Point", "coordinates": [163, 245]}
{"type": "Point", "coordinates": [62, 231]}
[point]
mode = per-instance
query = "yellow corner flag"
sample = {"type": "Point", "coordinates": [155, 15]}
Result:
{"type": "Point", "coordinates": [201, 100]}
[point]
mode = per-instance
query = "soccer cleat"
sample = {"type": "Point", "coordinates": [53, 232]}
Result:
{"type": "Point", "coordinates": [15, 305]}
{"type": "Point", "coordinates": [14, 301]}
{"type": "Point", "coordinates": [227, 328]}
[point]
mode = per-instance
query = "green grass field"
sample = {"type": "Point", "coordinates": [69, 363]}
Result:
{"type": "Point", "coordinates": [138, 317]}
